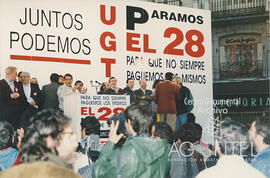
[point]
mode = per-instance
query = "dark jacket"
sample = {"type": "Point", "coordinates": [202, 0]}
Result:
{"type": "Point", "coordinates": [35, 95]}
{"type": "Point", "coordinates": [182, 103]}
{"type": "Point", "coordinates": [5, 91]}
{"type": "Point", "coordinates": [90, 146]}
{"type": "Point", "coordinates": [166, 95]}
{"type": "Point", "coordinates": [50, 96]}
{"type": "Point", "coordinates": [110, 91]}
{"type": "Point", "coordinates": [131, 94]}
{"type": "Point", "coordinates": [199, 159]}
{"type": "Point", "coordinates": [142, 157]}
{"type": "Point", "coordinates": [11, 109]}
{"type": "Point", "coordinates": [148, 96]}
{"type": "Point", "coordinates": [183, 165]}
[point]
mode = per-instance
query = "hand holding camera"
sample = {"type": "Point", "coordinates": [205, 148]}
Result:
{"type": "Point", "coordinates": [113, 137]}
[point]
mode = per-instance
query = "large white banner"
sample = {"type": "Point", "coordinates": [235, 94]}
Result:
{"type": "Point", "coordinates": [97, 39]}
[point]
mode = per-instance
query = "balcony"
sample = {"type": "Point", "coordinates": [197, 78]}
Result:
{"type": "Point", "coordinates": [239, 70]}
{"type": "Point", "coordinates": [170, 2]}
{"type": "Point", "coordinates": [234, 8]}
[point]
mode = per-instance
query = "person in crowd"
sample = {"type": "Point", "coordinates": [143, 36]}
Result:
{"type": "Point", "coordinates": [49, 93]}
{"type": "Point", "coordinates": [142, 93]}
{"type": "Point", "coordinates": [113, 90]}
{"type": "Point", "coordinates": [129, 90]}
{"type": "Point", "coordinates": [166, 94]}
{"type": "Point", "coordinates": [90, 143]}
{"type": "Point", "coordinates": [191, 118]}
{"type": "Point", "coordinates": [39, 170]}
{"type": "Point", "coordinates": [65, 90]}
{"type": "Point", "coordinates": [49, 142]}
{"type": "Point", "coordinates": [154, 105]}
{"type": "Point", "coordinates": [104, 86]}
{"type": "Point", "coordinates": [213, 159]}
{"type": "Point", "coordinates": [184, 104]}
{"type": "Point", "coordinates": [198, 145]}
{"type": "Point", "coordinates": [34, 80]}
{"type": "Point", "coordinates": [259, 135]}
{"type": "Point", "coordinates": [186, 138]}
{"type": "Point", "coordinates": [80, 88]}
{"type": "Point", "coordinates": [61, 80]}
{"type": "Point", "coordinates": [32, 98]}
{"type": "Point", "coordinates": [19, 77]}
{"type": "Point", "coordinates": [140, 156]}
{"type": "Point", "coordinates": [9, 156]}
{"type": "Point", "coordinates": [162, 130]}
{"type": "Point", "coordinates": [54, 133]}
{"type": "Point", "coordinates": [11, 98]}
{"type": "Point", "coordinates": [182, 164]}
{"type": "Point", "coordinates": [231, 145]}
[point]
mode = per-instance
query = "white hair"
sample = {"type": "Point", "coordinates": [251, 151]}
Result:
{"type": "Point", "coordinates": [26, 73]}
{"type": "Point", "coordinates": [178, 79]}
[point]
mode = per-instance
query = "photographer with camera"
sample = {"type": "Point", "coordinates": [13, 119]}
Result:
{"type": "Point", "coordinates": [90, 143]}
{"type": "Point", "coordinates": [9, 154]}
{"type": "Point", "coordinates": [140, 156]}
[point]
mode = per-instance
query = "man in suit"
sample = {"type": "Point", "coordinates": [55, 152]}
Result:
{"type": "Point", "coordinates": [49, 92]}
{"type": "Point", "coordinates": [128, 90]}
{"type": "Point", "coordinates": [142, 93]}
{"type": "Point", "coordinates": [11, 98]}
{"type": "Point", "coordinates": [34, 80]}
{"type": "Point", "coordinates": [32, 98]}
{"type": "Point", "coordinates": [113, 89]}
{"type": "Point", "coordinates": [166, 94]}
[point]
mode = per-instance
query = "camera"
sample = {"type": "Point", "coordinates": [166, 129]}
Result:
{"type": "Point", "coordinates": [122, 119]}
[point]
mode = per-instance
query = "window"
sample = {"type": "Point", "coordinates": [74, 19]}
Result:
{"type": "Point", "coordinates": [241, 58]}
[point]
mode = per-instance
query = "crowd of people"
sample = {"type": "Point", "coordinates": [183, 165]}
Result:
{"type": "Point", "coordinates": [161, 137]}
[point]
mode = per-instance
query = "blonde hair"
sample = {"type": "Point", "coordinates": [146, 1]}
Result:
{"type": "Point", "coordinates": [11, 69]}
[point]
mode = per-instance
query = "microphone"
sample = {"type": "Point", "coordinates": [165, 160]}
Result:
{"type": "Point", "coordinates": [96, 86]}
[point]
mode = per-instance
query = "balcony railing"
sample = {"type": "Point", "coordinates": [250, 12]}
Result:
{"type": "Point", "coordinates": [230, 8]}
{"type": "Point", "coordinates": [170, 2]}
{"type": "Point", "coordinates": [241, 70]}
{"type": "Point", "coordinates": [243, 117]}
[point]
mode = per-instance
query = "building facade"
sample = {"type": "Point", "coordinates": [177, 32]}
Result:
{"type": "Point", "coordinates": [241, 66]}
{"type": "Point", "coordinates": [201, 4]}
